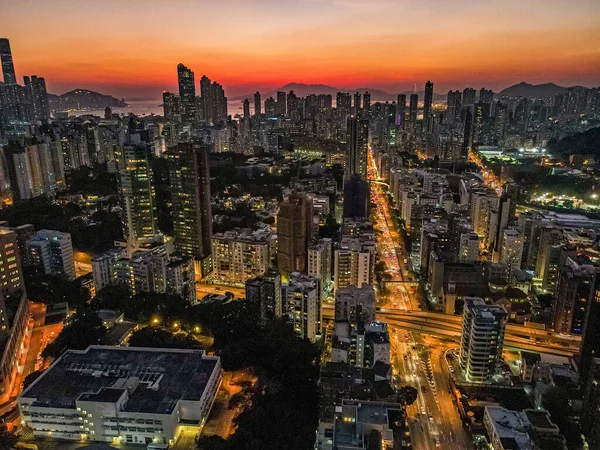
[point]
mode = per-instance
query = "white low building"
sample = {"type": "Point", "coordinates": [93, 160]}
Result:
{"type": "Point", "coordinates": [122, 394]}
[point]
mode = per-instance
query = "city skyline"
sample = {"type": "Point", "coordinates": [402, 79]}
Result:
{"type": "Point", "coordinates": [343, 43]}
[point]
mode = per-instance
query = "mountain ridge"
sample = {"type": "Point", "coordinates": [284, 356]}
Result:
{"type": "Point", "coordinates": [83, 99]}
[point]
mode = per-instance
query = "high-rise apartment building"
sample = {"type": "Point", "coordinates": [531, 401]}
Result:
{"type": "Point", "coordinates": [192, 213]}
{"type": "Point", "coordinates": [413, 109]}
{"type": "Point", "coordinates": [280, 105]}
{"type": "Point", "coordinates": [11, 276]}
{"type": "Point", "coordinates": [573, 292]}
{"type": "Point", "coordinates": [353, 263]}
{"type": "Point", "coordinates": [357, 145]}
{"type": "Point", "coordinates": [136, 194]}
{"type": "Point", "coordinates": [294, 232]}
{"type": "Point", "coordinates": [482, 339]}
{"type": "Point", "coordinates": [319, 262]}
{"type": "Point", "coordinates": [302, 304]}
{"type": "Point", "coordinates": [590, 339]}
{"type": "Point", "coordinates": [187, 94]}
{"type": "Point", "coordinates": [401, 111]}
{"type": "Point", "coordinates": [468, 97]}
{"type": "Point", "coordinates": [171, 107]}
{"type": "Point", "coordinates": [8, 68]}
{"type": "Point", "coordinates": [511, 252]}
{"type": "Point", "coordinates": [355, 305]}
{"type": "Point", "coordinates": [52, 252]}
{"type": "Point", "coordinates": [357, 106]}
{"type": "Point", "coordinates": [103, 268]}
{"type": "Point", "coordinates": [35, 90]}
{"type": "Point", "coordinates": [454, 106]}
{"type": "Point", "coordinates": [265, 291]}
{"type": "Point", "coordinates": [356, 197]}
{"type": "Point", "coordinates": [240, 254]}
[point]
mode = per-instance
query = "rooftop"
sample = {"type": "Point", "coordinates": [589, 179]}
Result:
{"type": "Point", "coordinates": [165, 377]}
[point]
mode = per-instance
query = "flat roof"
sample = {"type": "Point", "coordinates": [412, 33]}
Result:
{"type": "Point", "coordinates": [166, 376]}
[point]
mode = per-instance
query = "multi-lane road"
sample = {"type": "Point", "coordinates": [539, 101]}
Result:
{"type": "Point", "coordinates": [433, 419]}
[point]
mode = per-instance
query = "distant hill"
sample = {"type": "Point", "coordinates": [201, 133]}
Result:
{"type": "Point", "coordinates": [535, 90]}
{"type": "Point", "coordinates": [83, 99]}
{"type": "Point", "coordinates": [302, 90]}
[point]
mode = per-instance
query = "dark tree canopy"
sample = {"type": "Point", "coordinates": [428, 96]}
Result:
{"type": "Point", "coordinates": [160, 338]}
{"type": "Point", "coordinates": [83, 329]}
{"type": "Point", "coordinates": [407, 395]}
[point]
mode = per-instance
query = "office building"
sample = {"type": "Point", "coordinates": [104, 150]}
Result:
{"type": "Point", "coordinates": [427, 108]}
{"type": "Point", "coordinates": [122, 395]}
{"type": "Point", "coordinates": [136, 194]}
{"type": "Point", "coordinates": [355, 304]}
{"type": "Point", "coordinates": [52, 253]}
{"type": "Point", "coordinates": [257, 104]}
{"type": "Point", "coordinates": [265, 291]}
{"type": "Point", "coordinates": [482, 339]}
{"type": "Point", "coordinates": [302, 305]}
{"type": "Point", "coordinates": [241, 254]}
{"type": "Point", "coordinates": [356, 197]}
{"type": "Point", "coordinates": [187, 94]}
{"type": "Point", "coordinates": [294, 232]}
{"type": "Point", "coordinates": [511, 252]}
{"type": "Point", "coordinates": [357, 145]}
{"type": "Point", "coordinates": [8, 68]}
{"type": "Point", "coordinates": [192, 214]}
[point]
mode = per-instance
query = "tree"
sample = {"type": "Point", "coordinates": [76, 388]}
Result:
{"type": "Point", "coordinates": [51, 289]}
{"type": "Point", "coordinates": [407, 395]}
{"type": "Point", "coordinates": [83, 329]}
{"type": "Point", "coordinates": [159, 338]}
{"type": "Point", "coordinates": [29, 379]}
{"type": "Point", "coordinates": [7, 439]}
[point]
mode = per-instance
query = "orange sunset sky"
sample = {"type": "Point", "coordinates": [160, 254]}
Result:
{"type": "Point", "coordinates": [130, 48]}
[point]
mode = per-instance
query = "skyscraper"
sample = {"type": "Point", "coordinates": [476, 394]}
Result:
{"type": "Point", "coordinates": [292, 106]}
{"type": "Point", "coordinates": [367, 103]}
{"type": "Point", "coordinates": [171, 107]}
{"type": "Point", "coordinates": [270, 107]}
{"type": "Point", "coordinates": [8, 69]}
{"type": "Point", "coordinates": [187, 94]}
{"type": "Point", "coordinates": [357, 144]}
{"type": "Point", "coordinates": [280, 106]}
{"type": "Point", "coordinates": [454, 106]}
{"type": "Point", "coordinates": [468, 97]}
{"type": "Point", "coordinates": [401, 110]}
{"type": "Point", "coordinates": [357, 105]}
{"type": "Point", "coordinates": [486, 95]}
{"type": "Point", "coordinates": [413, 109]}
{"type": "Point", "coordinates": [35, 90]}
{"type": "Point", "coordinates": [257, 104]}
{"type": "Point", "coordinates": [136, 194]}
{"type": "Point", "coordinates": [356, 197]}
{"type": "Point", "coordinates": [427, 105]}
{"type": "Point", "coordinates": [294, 232]}
{"type": "Point", "coordinates": [192, 214]}
{"type": "Point", "coordinates": [246, 109]}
